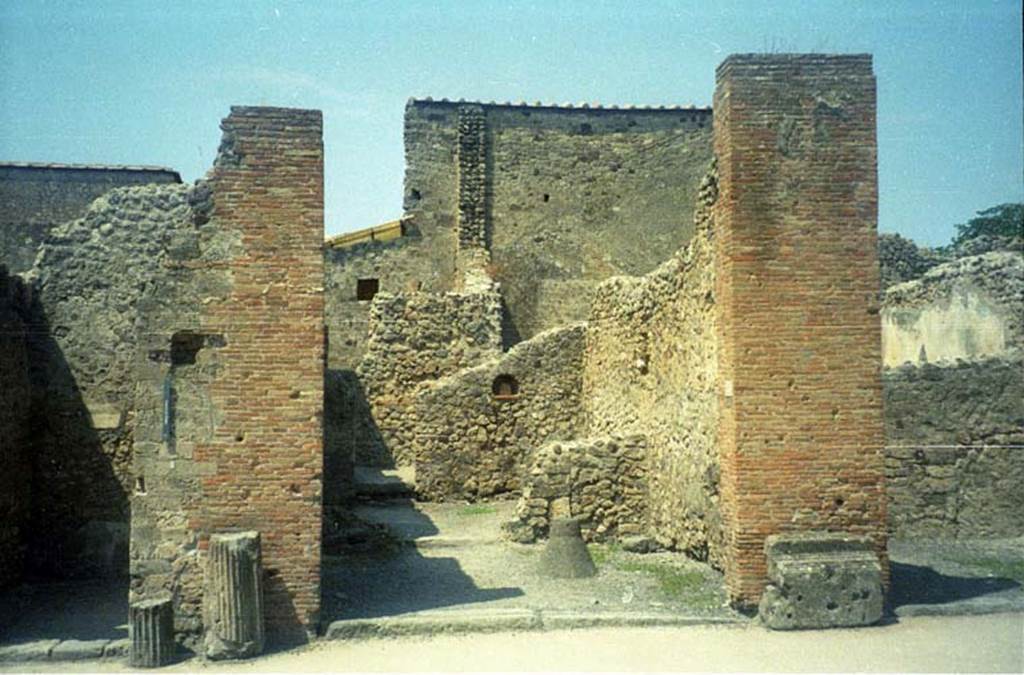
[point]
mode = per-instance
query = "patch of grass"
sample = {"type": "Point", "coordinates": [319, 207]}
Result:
{"type": "Point", "coordinates": [477, 510]}
{"type": "Point", "coordinates": [602, 553]}
{"type": "Point", "coordinates": [672, 580]}
{"type": "Point", "coordinates": [996, 567]}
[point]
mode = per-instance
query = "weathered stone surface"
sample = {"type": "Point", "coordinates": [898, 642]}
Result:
{"type": "Point", "coordinates": [151, 633]}
{"type": "Point", "coordinates": [234, 597]}
{"type": "Point", "coordinates": [15, 431]}
{"type": "Point", "coordinates": [969, 308]}
{"type": "Point", "coordinates": [27, 651]}
{"type": "Point", "coordinates": [566, 556]}
{"type": "Point", "coordinates": [650, 364]}
{"type": "Point", "coordinates": [38, 197]}
{"type": "Point", "coordinates": [91, 280]}
{"type": "Point", "coordinates": [118, 648]}
{"type": "Point", "coordinates": [954, 466]}
{"type": "Point", "coordinates": [78, 650]}
{"type": "Point", "coordinates": [471, 441]}
{"type": "Point", "coordinates": [601, 482]}
{"type": "Point", "coordinates": [900, 259]}
{"type": "Point", "coordinates": [821, 580]}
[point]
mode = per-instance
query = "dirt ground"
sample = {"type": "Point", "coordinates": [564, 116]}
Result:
{"type": "Point", "coordinates": [991, 643]}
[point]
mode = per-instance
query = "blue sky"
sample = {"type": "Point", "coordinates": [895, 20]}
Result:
{"type": "Point", "coordinates": [147, 83]}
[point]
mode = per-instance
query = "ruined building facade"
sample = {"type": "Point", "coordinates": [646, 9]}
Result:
{"type": "Point", "coordinates": [666, 322]}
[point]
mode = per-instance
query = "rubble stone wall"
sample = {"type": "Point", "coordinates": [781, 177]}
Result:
{"type": "Point", "coordinates": [414, 338]}
{"type": "Point", "coordinates": [569, 193]}
{"type": "Point", "coordinates": [90, 279]}
{"type": "Point", "coordinates": [15, 427]}
{"type": "Point", "coordinates": [955, 448]}
{"type": "Point", "coordinates": [601, 481]}
{"type": "Point", "coordinates": [651, 368]}
{"type": "Point", "coordinates": [471, 441]}
{"type": "Point", "coordinates": [34, 198]}
{"type": "Point", "coordinates": [971, 307]}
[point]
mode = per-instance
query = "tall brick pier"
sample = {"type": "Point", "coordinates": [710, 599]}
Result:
{"type": "Point", "coordinates": [230, 395]}
{"type": "Point", "coordinates": [801, 427]}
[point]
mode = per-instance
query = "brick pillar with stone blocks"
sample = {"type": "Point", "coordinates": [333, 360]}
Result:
{"type": "Point", "coordinates": [798, 299]}
{"type": "Point", "coordinates": [266, 451]}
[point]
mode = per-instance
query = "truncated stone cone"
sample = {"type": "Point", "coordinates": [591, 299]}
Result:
{"type": "Point", "coordinates": [151, 628]}
{"type": "Point", "coordinates": [566, 556]}
{"type": "Point", "coordinates": [234, 596]}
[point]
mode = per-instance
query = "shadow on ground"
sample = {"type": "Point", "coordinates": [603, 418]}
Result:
{"type": "Point", "coordinates": [919, 585]}
{"type": "Point", "coordinates": [395, 577]}
{"type": "Point", "coordinates": [67, 610]}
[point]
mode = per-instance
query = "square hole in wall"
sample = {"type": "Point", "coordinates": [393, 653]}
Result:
{"type": "Point", "coordinates": [367, 288]}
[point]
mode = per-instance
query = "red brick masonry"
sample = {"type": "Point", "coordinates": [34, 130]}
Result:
{"type": "Point", "coordinates": [268, 447]}
{"type": "Point", "coordinates": [801, 430]}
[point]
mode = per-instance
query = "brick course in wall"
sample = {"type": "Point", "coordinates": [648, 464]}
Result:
{"type": "Point", "coordinates": [801, 413]}
{"type": "Point", "coordinates": [270, 391]}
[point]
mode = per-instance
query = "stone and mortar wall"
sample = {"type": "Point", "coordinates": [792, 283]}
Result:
{"type": "Point", "coordinates": [954, 396]}
{"type": "Point", "coordinates": [900, 259]}
{"type": "Point", "coordinates": [602, 481]}
{"type": "Point", "coordinates": [15, 427]}
{"type": "Point", "coordinates": [245, 365]}
{"type": "Point", "coordinates": [972, 307]}
{"type": "Point", "coordinates": [34, 198]}
{"type": "Point", "coordinates": [414, 338]}
{"type": "Point", "coordinates": [471, 444]}
{"type": "Point", "coordinates": [570, 194]}
{"type": "Point", "coordinates": [955, 448]}
{"type": "Point", "coordinates": [801, 431]}
{"type": "Point", "coordinates": [651, 368]}
{"type": "Point", "coordinates": [90, 279]}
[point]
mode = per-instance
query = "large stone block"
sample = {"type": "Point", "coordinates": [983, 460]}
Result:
{"type": "Point", "coordinates": [821, 580]}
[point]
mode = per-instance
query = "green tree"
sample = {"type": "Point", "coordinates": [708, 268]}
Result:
{"type": "Point", "coordinates": [1005, 220]}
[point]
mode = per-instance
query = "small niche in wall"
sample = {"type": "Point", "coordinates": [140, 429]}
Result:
{"type": "Point", "coordinates": [184, 347]}
{"type": "Point", "coordinates": [505, 388]}
{"type": "Point", "coordinates": [367, 288]}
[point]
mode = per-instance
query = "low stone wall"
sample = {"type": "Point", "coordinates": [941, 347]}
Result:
{"type": "Point", "coordinates": [15, 410]}
{"type": "Point", "coordinates": [955, 455]}
{"type": "Point", "coordinates": [473, 441]}
{"type": "Point", "coordinates": [651, 368]}
{"type": "Point", "coordinates": [601, 481]}
{"type": "Point", "coordinates": [414, 338]}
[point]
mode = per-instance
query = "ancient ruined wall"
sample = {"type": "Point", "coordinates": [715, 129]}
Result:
{"type": "Point", "coordinates": [953, 341]}
{"type": "Point", "coordinates": [900, 259]}
{"type": "Point", "coordinates": [570, 196]}
{"type": "Point", "coordinates": [969, 308]}
{"type": "Point", "coordinates": [90, 279]}
{"type": "Point", "coordinates": [651, 369]}
{"type": "Point", "coordinates": [797, 291]}
{"type": "Point", "coordinates": [414, 338]}
{"type": "Point", "coordinates": [955, 448]}
{"type": "Point", "coordinates": [34, 198]}
{"type": "Point", "coordinates": [602, 481]}
{"type": "Point", "coordinates": [230, 380]}
{"type": "Point", "coordinates": [15, 430]}
{"type": "Point", "coordinates": [472, 440]}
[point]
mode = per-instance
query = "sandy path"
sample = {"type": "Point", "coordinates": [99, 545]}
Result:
{"type": "Point", "coordinates": [921, 644]}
